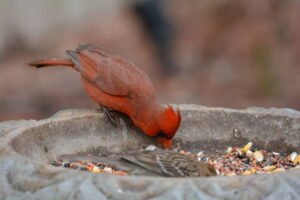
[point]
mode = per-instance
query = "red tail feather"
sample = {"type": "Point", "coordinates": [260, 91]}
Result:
{"type": "Point", "coordinates": [52, 62]}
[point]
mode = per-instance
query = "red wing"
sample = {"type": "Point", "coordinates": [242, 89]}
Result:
{"type": "Point", "coordinates": [108, 72]}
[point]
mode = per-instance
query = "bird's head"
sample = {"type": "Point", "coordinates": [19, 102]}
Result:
{"type": "Point", "coordinates": [169, 121]}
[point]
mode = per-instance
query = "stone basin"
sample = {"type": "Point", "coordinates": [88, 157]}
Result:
{"type": "Point", "coordinates": [26, 148]}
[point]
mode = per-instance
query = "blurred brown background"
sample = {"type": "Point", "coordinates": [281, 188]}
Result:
{"type": "Point", "coordinates": [216, 53]}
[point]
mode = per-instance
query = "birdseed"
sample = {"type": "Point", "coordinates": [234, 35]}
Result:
{"type": "Point", "coordinates": [235, 161]}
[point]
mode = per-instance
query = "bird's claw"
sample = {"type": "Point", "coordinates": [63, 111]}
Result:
{"type": "Point", "coordinates": [110, 116]}
{"type": "Point", "coordinates": [116, 120]}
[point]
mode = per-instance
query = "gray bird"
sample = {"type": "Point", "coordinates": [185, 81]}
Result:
{"type": "Point", "coordinates": [170, 164]}
{"type": "Point", "coordinates": [155, 163]}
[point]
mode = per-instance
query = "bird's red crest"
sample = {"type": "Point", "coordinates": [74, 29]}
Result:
{"type": "Point", "coordinates": [169, 121]}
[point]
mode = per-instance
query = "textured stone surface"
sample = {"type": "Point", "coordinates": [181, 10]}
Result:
{"type": "Point", "coordinates": [27, 146]}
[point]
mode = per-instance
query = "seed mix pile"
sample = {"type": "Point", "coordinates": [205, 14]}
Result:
{"type": "Point", "coordinates": [86, 165]}
{"type": "Point", "coordinates": [235, 161]}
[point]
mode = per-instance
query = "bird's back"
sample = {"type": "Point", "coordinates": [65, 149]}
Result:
{"type": "Point", "coordinates": [110, 73]}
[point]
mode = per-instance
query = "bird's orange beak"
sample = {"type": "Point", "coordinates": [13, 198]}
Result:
{"type": "Point", "coordinates": [165, 143]}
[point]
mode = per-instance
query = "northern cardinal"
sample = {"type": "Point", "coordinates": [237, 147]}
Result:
{"type": "Point", "coordinates": [154, 163]}
{"type": "Point", "coordinates": [119, 85]}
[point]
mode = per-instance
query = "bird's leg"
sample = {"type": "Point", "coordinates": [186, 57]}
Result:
{"type": "Point", "coordinates": [110, 115]}
{"type": "Point", "coordinates": [116, 119]}
{"type": "Point", "coordinates": [124, 128]}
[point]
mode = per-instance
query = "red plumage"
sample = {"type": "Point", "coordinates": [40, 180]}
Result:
{"type": "Point", "coordinates": [117, 84]}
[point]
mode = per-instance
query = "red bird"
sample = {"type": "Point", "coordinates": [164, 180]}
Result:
{"type": "Point", "coordinates": [119, 85]}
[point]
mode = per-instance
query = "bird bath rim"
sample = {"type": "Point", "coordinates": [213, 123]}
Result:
{"type": "Point", "coordinates": [208, 123]}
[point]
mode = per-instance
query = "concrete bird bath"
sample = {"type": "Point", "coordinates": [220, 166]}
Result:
{"type": "Point", "coordinates": [27, 146]}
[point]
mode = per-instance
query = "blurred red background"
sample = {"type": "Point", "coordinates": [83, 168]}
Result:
{"type": "Point", "coordinates": [220, 53]}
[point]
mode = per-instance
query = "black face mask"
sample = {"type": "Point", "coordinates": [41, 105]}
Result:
{"type": "Point", "coordinates": [161, 134]}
